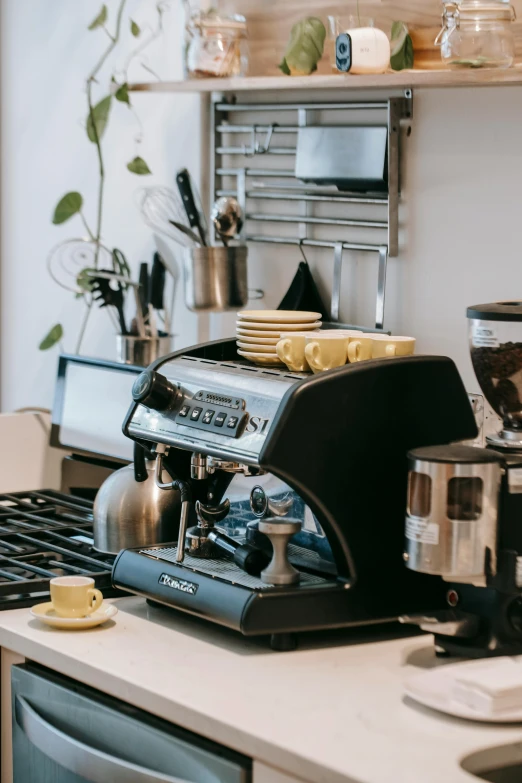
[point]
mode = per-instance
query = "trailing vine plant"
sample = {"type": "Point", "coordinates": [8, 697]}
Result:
{"type": "Point", "coordinates": [72, 203]}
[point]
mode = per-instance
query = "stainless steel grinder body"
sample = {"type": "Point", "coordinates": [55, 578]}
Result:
{"type": "Point", "coordinates": [452, 512]}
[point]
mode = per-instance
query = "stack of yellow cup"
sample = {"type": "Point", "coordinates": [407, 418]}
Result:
{"type": "Point", "coordinates": [324, 350]}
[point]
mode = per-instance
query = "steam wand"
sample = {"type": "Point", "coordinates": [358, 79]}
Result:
{"type": "Point", "coordinates": [186, 498]}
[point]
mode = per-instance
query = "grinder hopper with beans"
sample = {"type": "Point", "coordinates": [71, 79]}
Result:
{"type": "Point", "coordinates": [495, 338]}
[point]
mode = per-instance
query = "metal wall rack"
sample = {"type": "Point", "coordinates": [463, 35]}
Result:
{"type": "Point", "coordinates": [265, 137]}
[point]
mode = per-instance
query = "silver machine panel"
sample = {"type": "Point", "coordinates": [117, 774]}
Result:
{"type": "Point", "coordinates": [233, 389]}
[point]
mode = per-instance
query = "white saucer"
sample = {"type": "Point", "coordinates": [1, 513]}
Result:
{"type": "Point", "coordinates": [267, 359]}
{"type": "Point", "coordinates": [278, 316]}
{"type": "Point", "coordinates": [256, 347]}
{"type": "Point", "coordinates": [46, 614]}
{"type": "Point", "coordinates": [257, 339]}
{"type": "Point", "coordinates": [279, 327]}
{"type": "Point", "coordinates": [434, 689]}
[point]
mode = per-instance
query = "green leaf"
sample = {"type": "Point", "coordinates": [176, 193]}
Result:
{"type": "Point", "coordinates": [98, 118]}
{"type": "Point", "coordinates": [68, 206]}
{"type": "Point", "coordinates": [283, 66]}
{"type": "Point", "coordinates": [402, 55]}
{"type": "Point", "coordinates": [84, 278]}
{"type": "Point", "coordinates": [100, 19]}
{"type": "Point", "coordinates": [305, 47]}
{"type": "Point", "coordinates": [53, 336]}
{"type": "Point", "coordinates": [122, 94]}
{"type": "Point", "coordinates": [138, 166]}
{"type": "Point", "coordinates": [135, 29]}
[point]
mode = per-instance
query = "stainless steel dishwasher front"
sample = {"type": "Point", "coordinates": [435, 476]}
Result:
{"type": "Point", "coordinates": [64, 732]}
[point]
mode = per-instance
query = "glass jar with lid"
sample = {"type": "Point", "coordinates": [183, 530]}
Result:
{"type": "Point", "coordinates": [216, 45]}
{"type": "Point", "coordinates": [477, 34]}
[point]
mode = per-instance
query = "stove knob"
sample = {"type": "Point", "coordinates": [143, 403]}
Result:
{"type": "Point", "coordinates": [154, 390]}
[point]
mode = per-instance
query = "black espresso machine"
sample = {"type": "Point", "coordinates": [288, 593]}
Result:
{"type": "Point", "coordinates": [308, 472]}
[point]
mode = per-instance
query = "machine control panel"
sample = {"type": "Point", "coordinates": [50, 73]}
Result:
{"type": "Point", "coordinates": [214, 413]}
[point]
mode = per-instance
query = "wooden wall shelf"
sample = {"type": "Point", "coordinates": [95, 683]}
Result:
{"type": "Point", "coordinates": [480, 77]}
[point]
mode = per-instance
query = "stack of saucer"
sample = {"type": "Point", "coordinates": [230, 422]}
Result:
{"type": "Point", "coordinates": [259, 331]}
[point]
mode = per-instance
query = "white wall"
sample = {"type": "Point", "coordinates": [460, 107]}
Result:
{"type": "Point", "coordinates": [461, 211]}
{"type": "Point", "coordinates": [46, 53]}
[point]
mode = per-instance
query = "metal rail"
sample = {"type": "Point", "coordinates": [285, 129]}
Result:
{"type": "Point", "coordinates": [330, 198]}
{"type": "Point", "coordinates": [249, 182]}
{"type": "Point", "coordinates": [315, 221]}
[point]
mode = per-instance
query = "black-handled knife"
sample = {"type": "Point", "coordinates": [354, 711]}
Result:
{"type": "Point", "coordinates": [192, 204]}
{"type": "Point", "coordinates": [157, 283]}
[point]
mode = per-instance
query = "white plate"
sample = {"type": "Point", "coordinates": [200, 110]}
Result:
{"type": "Point", "coordinates": [434, 689]}
{"type": "Point", "coordinates": [278, 316]}
{"type": "Point", "coordinates": [259, 338]}
{"type": "Point", "coordinates": [273, 335]}
{"type": "Point", "coordinates": [257, 347]}
{"type": "Point", "coordinates": [266, 326]}
{"type": "Point", "coordinates": [45, 614]}
{"type": "Point", "coordinates": [268, 359]}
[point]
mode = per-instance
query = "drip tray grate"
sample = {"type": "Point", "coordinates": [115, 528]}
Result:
{"type": "Point", "coordinates": [224, 569]}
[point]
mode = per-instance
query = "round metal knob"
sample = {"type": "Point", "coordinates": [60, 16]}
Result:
{"type": "Point", "coordinates": [154, 390]}
{"type": "Point", "coordinates": [280, 531]}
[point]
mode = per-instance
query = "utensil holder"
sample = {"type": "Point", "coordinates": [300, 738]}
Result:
{"type": "Point", "coordinates": [215, 278]}
{"type": "Point", "coordinates": [141, 351]}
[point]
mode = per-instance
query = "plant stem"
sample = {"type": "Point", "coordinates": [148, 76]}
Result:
{"type": "Point", "coordinates": [99, 217]}
{"type": "Point", "coordinates": [91, 78]}
{"type": "Point", "coordinates": [358, 14]}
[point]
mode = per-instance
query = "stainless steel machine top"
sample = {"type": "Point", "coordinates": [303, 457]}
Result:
{"type": "Point", "coordinates": [215, 408]}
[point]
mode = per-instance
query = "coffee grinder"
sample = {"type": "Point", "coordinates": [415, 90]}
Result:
{"type": "Point", "coordinates": [464, 506]}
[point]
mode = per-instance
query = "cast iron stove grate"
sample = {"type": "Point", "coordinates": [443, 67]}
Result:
{"type": "Point", "coordinates": [42, 535]}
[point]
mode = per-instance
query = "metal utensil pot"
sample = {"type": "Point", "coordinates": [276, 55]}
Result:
{"type": "Point", "coordinates": [215, 278]}
{"type": "Point", "coordinates": [130, 510]}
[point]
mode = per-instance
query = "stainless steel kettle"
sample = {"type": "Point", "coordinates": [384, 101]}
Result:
{"type": "Point", "coordinates": [130, 510]}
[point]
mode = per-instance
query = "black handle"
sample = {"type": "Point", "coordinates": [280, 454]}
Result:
{"type": "Point", "coordinates": [249, 558]}
{"type": "Point", "coordinates": [157, 283]}
{"type": "Point", "coordinates": [194, 215]}
{"type": "Point", "coordinates": [144, 289]}
{"type": "Point", "coordinates": [152, 389]}
{"type": "Point", "coordinates": [140, 466]}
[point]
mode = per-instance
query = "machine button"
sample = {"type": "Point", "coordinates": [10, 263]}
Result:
{"type": "Point", "coordinates": [220, 419]}
{"type": "Point", "coordinates": [232, 422]}
{"type": "Point", "coordinates": [184, 411]}
{"type": "Point", "coordinates": [208, 416]}
{"type": "Point", "coordinates": [196, 413]}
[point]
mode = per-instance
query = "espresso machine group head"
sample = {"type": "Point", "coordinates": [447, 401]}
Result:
{"type": "Point", "coordinates": [297, 487]}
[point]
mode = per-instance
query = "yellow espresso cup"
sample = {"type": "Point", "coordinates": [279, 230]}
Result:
{"type": "Point", "coordinates": [75, 596]}
{"type": "Point", "coordinates": [384, 346]}
{"type": "Point", "coordinates": [326, 350]}
{"type": "Point", "coordinates": [291, 350]}
{"type": "Point", "coordinates": [360, 348]}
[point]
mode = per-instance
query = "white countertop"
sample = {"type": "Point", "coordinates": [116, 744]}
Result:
{"type": "Point", "coordinates": [322, 713]}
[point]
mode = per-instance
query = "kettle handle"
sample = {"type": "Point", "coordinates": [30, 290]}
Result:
{"type": "Point", "coordinates": [140, 467]}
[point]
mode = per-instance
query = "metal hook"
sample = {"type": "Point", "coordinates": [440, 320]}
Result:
{"type": "Point", "coordinates": [256, 148]}
{"type": "Point", "coordinates": [300, 245]}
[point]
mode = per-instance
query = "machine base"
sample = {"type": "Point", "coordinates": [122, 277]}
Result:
{"type": "Point", "coordinates": [250, 607]}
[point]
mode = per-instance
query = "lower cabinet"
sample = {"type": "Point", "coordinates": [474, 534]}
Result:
{"type": "Point", "coordinates": [55, 730]}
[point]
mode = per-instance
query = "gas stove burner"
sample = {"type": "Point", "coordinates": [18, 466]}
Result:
{"type": "Point", "coordinates": [46, 534]}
